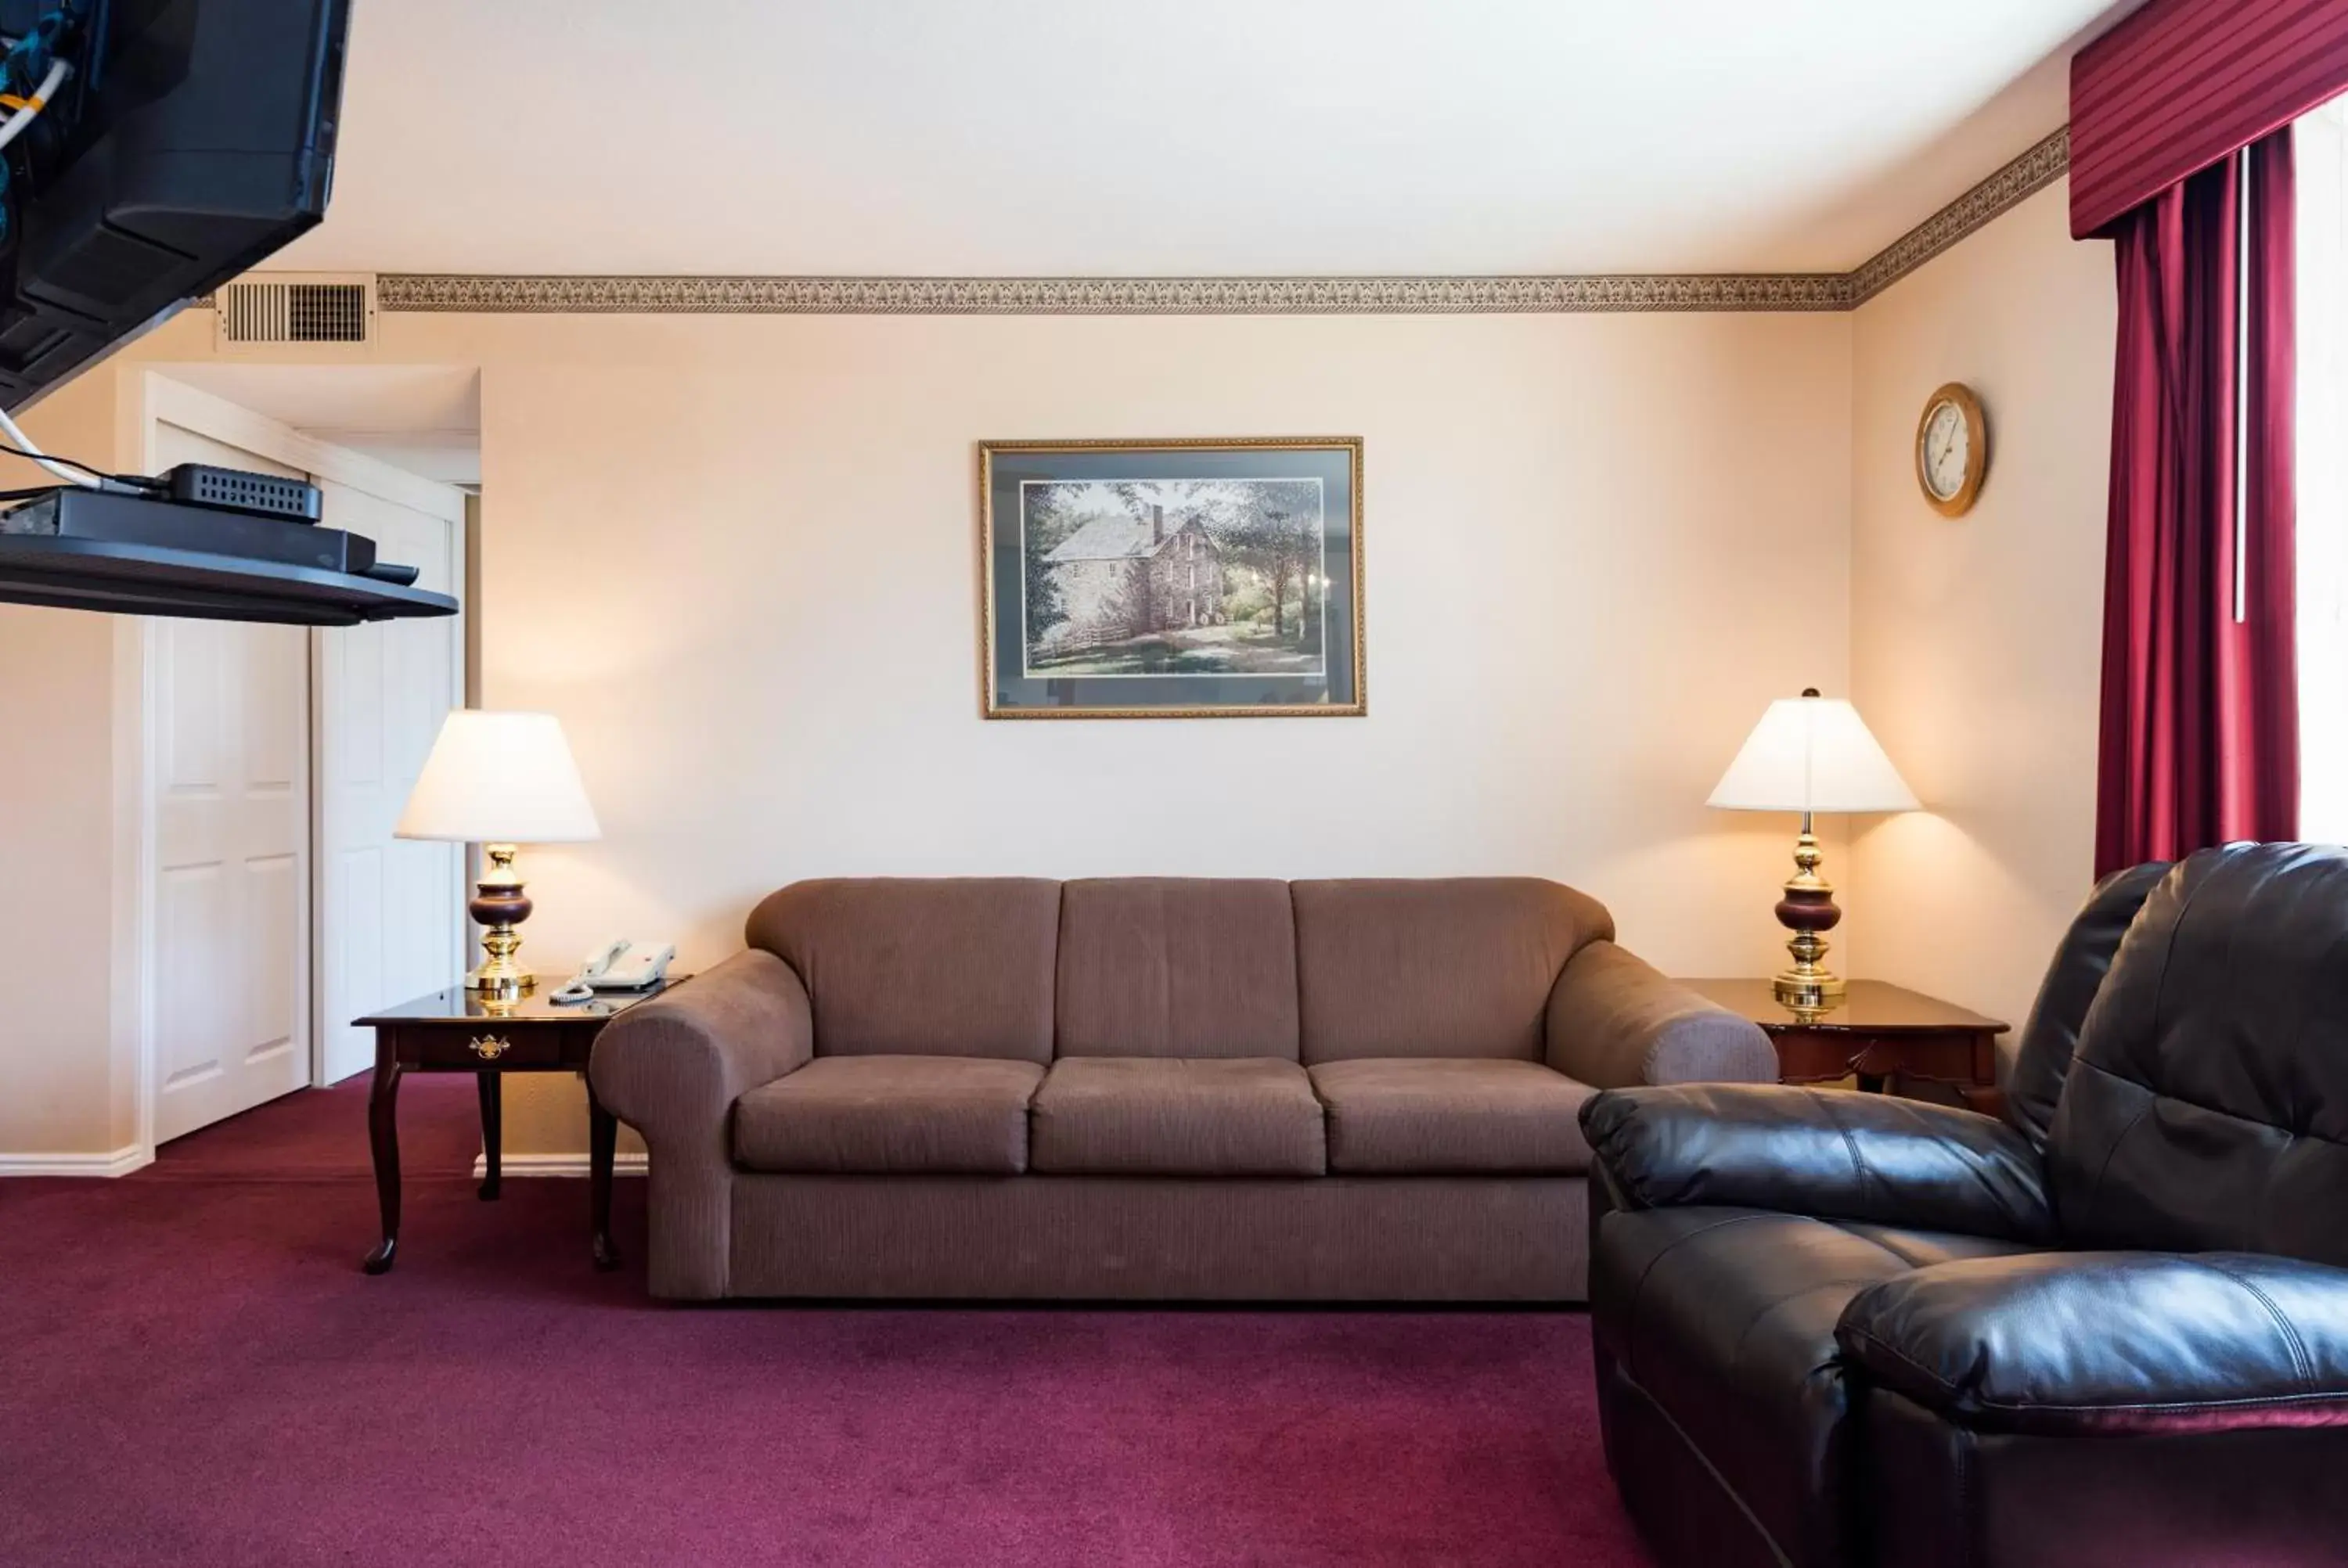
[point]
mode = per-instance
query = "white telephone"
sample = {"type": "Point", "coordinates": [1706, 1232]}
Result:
{"type": "Point", "coordinates": [618, 965]}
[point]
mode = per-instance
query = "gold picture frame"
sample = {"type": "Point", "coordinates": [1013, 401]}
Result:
{"type": "Point", "coordinates": [1121, 636]}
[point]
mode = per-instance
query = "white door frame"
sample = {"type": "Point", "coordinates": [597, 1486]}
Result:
{"type": "Point", "coordinates": [148, 398]}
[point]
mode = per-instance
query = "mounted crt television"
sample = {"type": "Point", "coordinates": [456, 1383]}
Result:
{"type": "Point", "coordinates": [190, 140]}
{"type": "Point", "coordinates": [152, 150]}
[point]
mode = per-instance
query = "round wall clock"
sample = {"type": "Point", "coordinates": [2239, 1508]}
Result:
{"type": "Point", "coordinates": [1952, 449]}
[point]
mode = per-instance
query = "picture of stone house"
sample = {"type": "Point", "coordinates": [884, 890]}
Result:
{"type": "Point", "coordinates": [1172, 577]}
{"type": "Point", "coordinates": [1120, 577]}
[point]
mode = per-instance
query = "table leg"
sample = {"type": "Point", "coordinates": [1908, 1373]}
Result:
{"type": "Point", "coordinates": [491, 1087]}
{"type": "Point", "coordinates": [1869, 1071]}
{"type": "Point", "coordinates": [602, 1138]}
{"type": "Point", "coordinates": [383, 1138]}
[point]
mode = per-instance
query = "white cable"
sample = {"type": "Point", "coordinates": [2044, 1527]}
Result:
{"type": "Point", "coordinates": [14, 125]}
{"type": "Point", "coordinates": [24, 443]}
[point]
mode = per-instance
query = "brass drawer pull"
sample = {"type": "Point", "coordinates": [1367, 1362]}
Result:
{"type": "Point", "coordinates": [488, 1046]}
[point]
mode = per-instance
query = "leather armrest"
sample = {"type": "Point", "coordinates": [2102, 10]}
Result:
{"type": "Point", "coordinates": [1615, 1020]}
{"type": "Point", "coordinates": [2111, 1342]}
{"type": "Point", "coordinates": [1823, 1151]}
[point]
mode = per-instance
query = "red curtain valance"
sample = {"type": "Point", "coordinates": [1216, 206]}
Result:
{"type": "Point", "coordinates": [2183, 83]}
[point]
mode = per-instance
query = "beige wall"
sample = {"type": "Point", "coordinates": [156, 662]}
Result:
{"type": "Point", "coordinates": [737, 557]}
{"type": "Point", "coordinates": [61, 1091]}
{"type": "Point", "coordinates": [736, 554]}
{"type": "Point", "coordinates": [1975, 642]}
{"type": "Point", "coordinates": [1571, 606]}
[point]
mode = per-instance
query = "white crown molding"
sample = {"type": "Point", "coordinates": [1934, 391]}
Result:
{"type": "Point", "coordinates": [575, 1165]}
{"type": "Point", "coordinates": [458, 293]}
{"type": "Point", "coordinates": [120, 1162]}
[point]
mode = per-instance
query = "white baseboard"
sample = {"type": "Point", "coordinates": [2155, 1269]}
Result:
{"type": "Point", "coordinates": [120, 1162]}
{"type": "Point", "coordinates": [623, 1164]}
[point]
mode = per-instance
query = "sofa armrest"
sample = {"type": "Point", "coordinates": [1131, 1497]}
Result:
{"type": "Point", "coordinates": [672, 1068]}
{"type": "Point", "coordinates": [1615, 1020]}
{"type": "Point", "coordinates": [2110, 1342]}
{"type": "Point", "coordinates": [1823, 1151]}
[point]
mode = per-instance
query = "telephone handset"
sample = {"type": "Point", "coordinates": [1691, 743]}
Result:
{"type": "Point", "coordinates": [618, 965]}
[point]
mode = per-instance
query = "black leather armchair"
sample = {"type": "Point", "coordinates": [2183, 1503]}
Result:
{"type": "Point", "coordinates": [1836, 1330]}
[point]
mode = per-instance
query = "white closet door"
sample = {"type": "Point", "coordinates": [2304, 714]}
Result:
{"type": "Point", "coordinates": [231, 892]}
{"type": "Point", "coordinates": [392, 925]}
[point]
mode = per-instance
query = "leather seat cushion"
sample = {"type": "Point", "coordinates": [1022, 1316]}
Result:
{"type": "Point", "coordinates": [1452, 1116]}
{"type": "Point", "coordinates": [1177, 1116]}
{"type": "Point", "coordinates": [890, 1115]}
{"type": "Point", "coordinates": [2098, 1343]}
{"type": "Point", "coordinates": [1726, 1318]}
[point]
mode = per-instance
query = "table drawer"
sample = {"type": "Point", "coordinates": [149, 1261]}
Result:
{"type": "Point", "coordinates": [1813, 1056]}
{"type": "Point", "coordinates": [489, 1043]}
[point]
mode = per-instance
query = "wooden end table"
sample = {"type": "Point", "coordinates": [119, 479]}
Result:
{"type": "Point", "coordinates": [1887, 1037]}
{"type": "Point", "coordinates": [458, 1031]}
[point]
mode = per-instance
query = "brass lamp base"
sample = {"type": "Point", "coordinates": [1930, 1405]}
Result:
{"type": "Point", "coordinates": [1806, 986]}
{"type": "Point", "coordinates": [499, 905]}
{"type": "Point", "coordinates": [1814, 995]}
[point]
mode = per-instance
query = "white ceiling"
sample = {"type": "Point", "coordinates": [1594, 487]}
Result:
{"type": "Point", "coordinates": [1170, 137]}
{"type": "Point", "coordinates": [425, 418]}
{"type": "Point", "coordinates": [342, 399]}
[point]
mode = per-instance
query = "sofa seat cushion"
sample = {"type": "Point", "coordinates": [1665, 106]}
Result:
{"type": "Point", "coordinates": [1405, 1116]}
{"type": "Point", "coordinates": [890, 1115]}
{"type": "Point", "coordinates": [1177, 1116]}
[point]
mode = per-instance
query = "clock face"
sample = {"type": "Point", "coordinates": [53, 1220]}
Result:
{"type": "Point", "coordinates": [1945, 450]}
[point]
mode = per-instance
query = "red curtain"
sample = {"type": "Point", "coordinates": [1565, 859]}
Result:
{"type": "Point", "coordinates": [2201, 709]}
{"type": "Point", "coordinates": [2181, 84]}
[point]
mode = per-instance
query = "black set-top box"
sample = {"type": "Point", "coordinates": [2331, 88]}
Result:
{"type": "Point", "coordinates": [101, 517]}
{"type": "Point", "coordinates": [242, 490]}
{"type": "Point", "coordinates": [94, 549]}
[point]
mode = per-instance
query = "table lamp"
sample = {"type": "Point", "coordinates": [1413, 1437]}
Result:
{"type": "Point", "coordinates": [1810, 754]}
{"type": "Point", "coordinates": [500, 779]}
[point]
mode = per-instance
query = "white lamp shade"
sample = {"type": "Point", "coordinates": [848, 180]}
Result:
{"type": "Point", "coordinates": [1812, 754]}
{"type": "Point", "coordinates": [499, 778]}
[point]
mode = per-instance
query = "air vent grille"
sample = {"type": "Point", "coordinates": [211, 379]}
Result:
{"type": "Point", "coordinates": [326, 310]}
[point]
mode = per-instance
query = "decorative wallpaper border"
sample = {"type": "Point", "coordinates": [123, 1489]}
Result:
{"type": "Point", "coordinates": [1111, 296]}
{"type": "Point", "coordinates": [505, 295]}
{"type": "Point", "coordinates": [2026, 177]}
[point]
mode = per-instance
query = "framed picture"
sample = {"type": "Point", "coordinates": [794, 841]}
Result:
{"type": "Point", "coordinates": [1171, 580]}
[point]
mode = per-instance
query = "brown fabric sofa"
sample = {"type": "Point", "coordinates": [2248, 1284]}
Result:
{"type": "Point", "coordinates": [1147, 1089]}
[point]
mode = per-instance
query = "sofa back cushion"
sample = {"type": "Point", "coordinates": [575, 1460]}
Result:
{"type": "Point", "coordinates": [2042, 1060]}
{"type": "Point", "coordinates": [2206, 1105]}
{"type": "Point", "coordinates": [1439, 968]}
{"type": "Point", "coordinates": [1153, 965]}
{"type": "Point", "coordinates": [944, 966]}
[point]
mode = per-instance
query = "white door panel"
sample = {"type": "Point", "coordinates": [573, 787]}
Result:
{"type": "Point", "coordinates": [396, 923]}
{"type": "Point", "coordinates": [279, 758]}
{"type": "Point", "coordinates": [231, 888]}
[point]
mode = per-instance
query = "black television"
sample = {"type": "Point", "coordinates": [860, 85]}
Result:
{"type": "Point", "coordinates": [190, 139]}
{"type": "Point", "coordinates": [150, 150]}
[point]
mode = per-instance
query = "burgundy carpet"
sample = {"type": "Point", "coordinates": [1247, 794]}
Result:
{"type": "Point", "coordinates": [194, 1371]}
